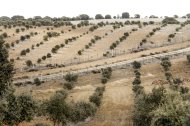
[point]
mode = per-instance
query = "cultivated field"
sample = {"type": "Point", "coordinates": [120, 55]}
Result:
{"type": "Point", "coordinates": [73, 49]}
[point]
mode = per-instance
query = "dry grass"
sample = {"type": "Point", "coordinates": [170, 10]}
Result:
{"type": "Point", "coordinates": [117, 104]}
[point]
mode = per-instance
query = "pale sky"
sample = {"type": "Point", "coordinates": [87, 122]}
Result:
{"type": "Point", "coordinates": [70, 8]}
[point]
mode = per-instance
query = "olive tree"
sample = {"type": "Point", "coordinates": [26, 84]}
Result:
{"type": "Point", "coordinates": [57, 109]}
{"type": "Point", "coordinates": [84, 17]}
{"type": "Point", "coordinates": [137, 16]}
{"type": "Point", "coordinates": [29, 63]}
{"type": "Point", "coordinates": [125, 15]}
{"type": "Point", "coordinates": [108, 16]}
{"type": "Point", "coordinates": [6, 69]}
{"type": "Point", "coordinates": [18, 109]}
{"type": "Point", "coordinates": [99, 16]}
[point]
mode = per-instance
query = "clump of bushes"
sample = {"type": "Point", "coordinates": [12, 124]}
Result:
{"type": "Point", "coordinates": [106, 75]}
{"type": "Point", "coordinates": [29, 63]}
{"type": "Point", "coordinates": [96, 98]}
{"type": "Point", "coordinates": [170, 20]}
{"type": "Point", "coordinates": [62, 112]}
{"type": "Point", "coordinates": [37, 81]}
{"type": "Point", "coordinates": [70, 79]}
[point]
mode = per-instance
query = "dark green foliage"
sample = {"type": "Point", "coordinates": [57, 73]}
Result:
{"type": "Point", "coordinates": [126, 34]}
{"type": "Point", "coordinates": [6, 69]}
{"type": "Point", "coordinates": [17, 30]}
{"type": "Point", "coordinates": [188, 58]}
{"type": "Point", "coordinates": [57, 109]}
{"type": "Point", "coordinates": [61, 112]}
{"type": "Point", "coordinates": [80, 52]}
{"type": "Point", "coordinates": [177, 81]}
{"type": "Point", "coordinates": [44, 57]}
{"type": "Point", "coordinates": [92, 28]}
{"type": "Point", "coordinates": [138, 90]}
{"type": "Point", "coordinates": [18, 109]}
{"type": "Point", "coordinates": [166, 64]}
{"type": "Point", "coordinates": [184, 90]}
{"type": "Point", "coordinates": [71, 78]}
{"type": "Point", "coordinates": [125, 15]}
{"type": "Point", "coordinates": [73, 26]}
{"type": "Point", "coordinates": [151, 22]}
{"type": "Point", "coordinates": [99, 16]}
{"type": "Point", "coordinates": [27, 36]}
{"type": "Point", "coordinates": [104, 80]}
{"type": "Point", "coordinates": [22, 38]}
{"type": "Point", "coordinates": [69, 85]}
{"type": "Point", "coordinates": [37, 45]}
{"type": "Point", "coordinates": [4, 35]}
{"type": "Point", "coordinates": [87, 46]}
{"type": "Point", "coordinates": [39, 60]}
{"type": "Point", "coordinates": [84, 17]}
{"type": "Point", "coordinates": [137, 81]}
{"type": "Point", "coordinates": [62, 45]}
{"type": "Point", "coordinates": [108, 16]}
{"type": "Point", "coordinates": [27, 50]}
{"type": "Point", "coordinates": [107, 72]}
{"type": "Point", "coordinates": [97, 96]}
{"type": "Point", "coordinates": [45, 38]}
{"type": "Point", "coordinates": [48, 55]}
{"type": "Point", "coordinates": [145, 104]}
{"type": "Point", "coordinates": [29, 63]}
{"type": "Point", "coordinates": [81, 110]}
{"type": "Point", "coordinates": [169, 20]}
{"type": "Point", "coordinates": [7, 45]}
{"type": "Point", "coordinates": [171, 35]}
{"type": "Point", "coordinates": [54, 50]}
{"type": "Point", "coordinates": [137, 16]}
{"type": "Point", "coordinates": [136, 65]}
{"type": "Point", "coordinates": [23, 52]}
{"type": "Point", "coordinates": [37, 81]}
{"type": "Point", "coordinates": [106, 75]}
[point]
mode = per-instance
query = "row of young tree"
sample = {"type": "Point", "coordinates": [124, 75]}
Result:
{"type": "Point", "coordinates": [15, 109]}
{"type": "Point", "coordinates": [162, 106]}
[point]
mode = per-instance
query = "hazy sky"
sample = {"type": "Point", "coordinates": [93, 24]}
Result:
{"type": "Point", "coordinates": [58, 8]}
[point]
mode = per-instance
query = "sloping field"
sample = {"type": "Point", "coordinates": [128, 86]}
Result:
{"type": "Point", "coordinates": [117, 104]}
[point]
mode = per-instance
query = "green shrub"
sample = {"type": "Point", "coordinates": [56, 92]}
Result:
{"type": "Point", "coordinates": [44, 57]}
{"type": "Point", "coordinates": [188, 58]}
{"type": "Point", "coordinates": [37, 81]}
{"type": "Point", "coordinates": [22, 38]}
{"type": "Point", "coordinates": [39, 60]}
{"type": "Point", "coordinates": [136, 65]}
{"type": "Point", "coordinates": [23, 52]}
{"type": "Point", "coordinates": [80, 52]}
{"type": "Point", "coordinates": [27, 50]}
{"type": "Point", "coordinates": [96, 99]}
{"type": "Point", "coordinates": [69, 85]}
{"type": "Point", "coordinates": [104, 80]}
{"type": "Point", "coordinates": [71, 78]}
{"type": "Point", "coordinates": [17, 30]}
{"type": "Point", "coordinates": [29, 63]}
{"type": "Point", "coordinates": [81, 110]}
{"type": "Point", "coordinates": [48, 55]}
{"type": "Point", "coordinates": [97, 96]}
